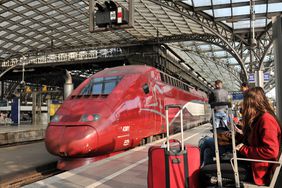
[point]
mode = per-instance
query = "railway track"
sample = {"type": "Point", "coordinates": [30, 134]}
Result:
{"type": "Point", "coordinates": [29, 176]}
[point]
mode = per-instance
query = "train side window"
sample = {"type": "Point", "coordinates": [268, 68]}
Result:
{"type": "Point", "coordinates": [169, 80]}
{"type": "Point", "coordinates": [162, 77]}
{"type": "Point", "coordinates": [165, 79]}
{"type": "Point", "coordinates": [97, 89]}
{"type": "Point", "coordinates": [146, 88]}
{"type": "Point", "coordinates": [109, 86]}
{"type": "Point", "coordinates": [86, 90]}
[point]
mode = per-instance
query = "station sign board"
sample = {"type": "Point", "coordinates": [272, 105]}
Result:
{"type": "Point", "coordinates": [266, 76]}
{"type": "Point", "coordinates": [237, 96]}
{"type": "Point", "coordinates": [252, 77]}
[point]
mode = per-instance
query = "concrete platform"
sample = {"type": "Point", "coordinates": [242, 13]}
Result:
{"type": "Point", "coordinates": [17, 159]}
{"type": "Point", "coordinates": [10, 134]}
{"type": "Point", "coordinates": [128, 169]}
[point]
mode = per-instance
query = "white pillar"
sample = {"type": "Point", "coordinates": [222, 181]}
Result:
{"type": "Point", "coordinates": [259, 78]}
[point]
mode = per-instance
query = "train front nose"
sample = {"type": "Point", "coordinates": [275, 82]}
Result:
{"type": "Point", "coordinates": [71, 140]}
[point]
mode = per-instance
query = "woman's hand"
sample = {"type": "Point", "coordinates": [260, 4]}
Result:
{"type": "Point", "coordinates": [239, 146]}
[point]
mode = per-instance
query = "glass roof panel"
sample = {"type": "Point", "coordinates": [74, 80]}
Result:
{"type": "Point", "coordinates": [202, 3]}
{"type": "Point", "coordinates": [2, 33]}
{"type": "Point", "coordinates": [189, 2]}
{"type": "Point", "coordinates": [57, 3]}
{"type": "Point", "coordinates": [205, 47]}
{"type": "Point", "coordinates": [9, 4]}
{"type": "Point", "coordinates": [246, 24]}
{"type": "Point", "coordinates": [8, 45]}
{"type": "Point", "coordinates": [274, 7]}
{"type": "Point", "coordinates": [38, 17]}
{"type": "Point", "coordinates": [217, 2]}
{"type": "Point", "coordinates": [208, 12]}
{"type": "Point", "coordinates": [25, 22]}
{"type": "Point", "coordinates": [222, 12]}
{"type": "Point", "coordinates": [238, 1]}
{"type": "Point", "coordinates": [18, 9]}
{"type": "Point", "coordinates": [10, 36]}
{"type": "Point", "coordinates": [34, 3]}
{"type": "Point", "coordinates": [260, 9]}
{"type": "Point", "coordinates": [13, 27]}
{"type": "Point", "coordinates": [43, 8]}
{"type": "Point", "coordinates": [16, 18]}
{"type": "Point", "coordinates": [30, 33]}
{"type": "Point", "coordinates": [6, 14]}
{"type": "Point", "coordinates": [27, 41]}
{"type": "Point", "coordinates": [18, 39]}
{"type": "Point", "coordinates": [220, 53]}
{"type": "Point", "coordinates": [29, 13]}
{"type": "Point", "coordinates": [232, 61]}
{"type": "Point", "coordinates": [3, 24]}
{"type": "Point", "coordinates": [241, 10]}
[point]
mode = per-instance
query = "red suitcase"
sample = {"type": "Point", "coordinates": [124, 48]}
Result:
{"type": "Point", "coordinates": [176, 166]}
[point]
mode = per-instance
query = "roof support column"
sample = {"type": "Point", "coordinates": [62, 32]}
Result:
{"type": "Point", "coordinates": [277, 44]}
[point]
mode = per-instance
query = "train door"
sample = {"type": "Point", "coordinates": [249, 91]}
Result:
{"type": "Point", "coordinates": [148, 107]}
{"type": "Point", "coordinates": [158, 95]}
{"type": "Point", "coordinates": [158, 108]}
{"type": "Point", "coordinates": [129, 124]}
{"type": "Point", "coordinates": [155, 102]}
{"type": "Point", "coordinates": [123, 128]}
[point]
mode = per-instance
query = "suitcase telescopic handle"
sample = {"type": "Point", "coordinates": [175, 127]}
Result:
{"type": "Point", "coordinates": [214, 104]}
{"type": "Point", "coordinates": [173, 142]}
{"type": "Point", "coordinates": [167, 123]}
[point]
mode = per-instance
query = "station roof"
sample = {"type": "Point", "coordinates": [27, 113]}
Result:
{"type": "Point", "coordinates": [213, 36]}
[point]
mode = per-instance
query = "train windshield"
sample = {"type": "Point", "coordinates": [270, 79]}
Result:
{"type": "Point", "coordinates": [101, 86]}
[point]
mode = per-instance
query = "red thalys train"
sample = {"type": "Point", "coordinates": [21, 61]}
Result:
{"type": "Point", "coordinates": [116, 109]}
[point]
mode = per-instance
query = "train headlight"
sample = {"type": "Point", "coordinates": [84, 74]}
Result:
{"type": "Point", "coordinates": [90, 117]}
{"type": "Point", "coordinates": [56, 118]}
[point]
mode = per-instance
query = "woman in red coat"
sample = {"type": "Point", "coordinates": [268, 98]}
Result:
{"type": "Point", "coordinates": [262, 134]}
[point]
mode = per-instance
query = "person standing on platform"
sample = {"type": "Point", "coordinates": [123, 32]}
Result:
{"type": "Point", "coordinates": [219, 95]}
{"type": "Point", "coordinates": [244, 87]}
{"type": "Point", "coordinates": [206, 144]}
